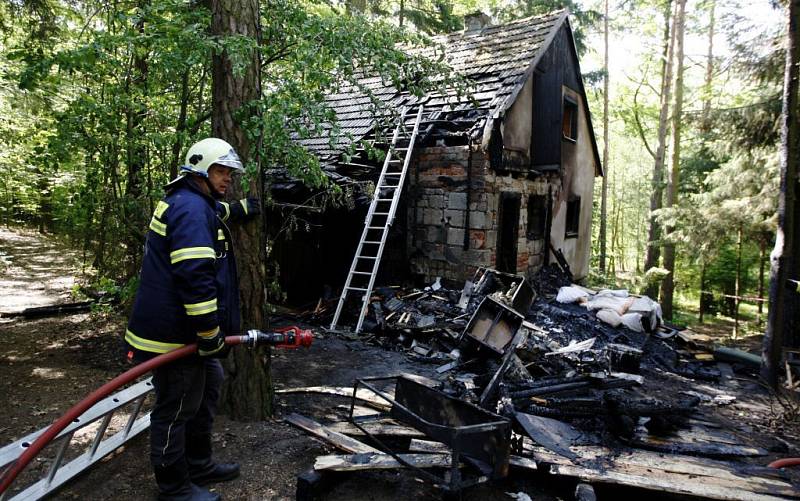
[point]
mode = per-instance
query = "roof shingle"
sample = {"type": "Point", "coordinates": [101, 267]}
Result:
{"type": "Point", "coordinates": [496, 59]}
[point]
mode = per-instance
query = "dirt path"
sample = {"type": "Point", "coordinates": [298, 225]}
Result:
{"type": "Point", "coordinates": [34, 271]}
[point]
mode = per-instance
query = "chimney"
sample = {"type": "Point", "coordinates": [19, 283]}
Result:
{"type": "Point", "coordinates": [476, 21]}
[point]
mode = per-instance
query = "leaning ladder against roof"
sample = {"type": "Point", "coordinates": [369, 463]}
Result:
{"type": "Point", "coordinates": [379, 218]}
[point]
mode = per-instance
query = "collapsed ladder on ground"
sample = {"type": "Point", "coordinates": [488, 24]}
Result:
{"type": "Point", "coordinates": [381, 213]}
{"type": "Point", "coordinates": [105, 441]}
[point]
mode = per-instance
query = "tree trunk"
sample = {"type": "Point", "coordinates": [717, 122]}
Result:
{"type": "Point", "coordinates": [783, 319]}
{"type": "Point", "coordinates": [738, 288]}
{"type": "Point", "coordinates": [180, 128]}
{"type": "Point", "coordinates": [606, 168]}
{"type": "Point", "coordinates": [703, 294]}
{"type": "Point", "coordinates": [136, 110]}
{"type": "Point", "coordinates": [762, 258]}
{"type": "Point", "coordinates": [45, 212]}
{"type": "Point", "coordinates": [705, 126]}
{"type": "Point", "coordinates": [654, 232]}
{"type": "Point", "coordinates": [668, 285]}
{"type": "Point", "coordinates": [247, 393]}
{"type": "Point", "coordinates": [708, 91]}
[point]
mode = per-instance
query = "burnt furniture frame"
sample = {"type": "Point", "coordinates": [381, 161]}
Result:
{"type": "Point", "coordinates": [477, 436]}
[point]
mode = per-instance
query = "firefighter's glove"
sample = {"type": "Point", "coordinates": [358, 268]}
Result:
{"type": "Point", "coordinates": [246, 208]}
{"type": "Point", "coordinates": [253, 206]}
{"type": "Point", "coordinates": [214, 347]}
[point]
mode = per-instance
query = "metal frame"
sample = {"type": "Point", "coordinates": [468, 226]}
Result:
{"type": "Point", "coordinates": [100, 447]}
{"type": "Point", "coordinates": [455, 482]}
{"type": "Point", "coordinates": [389, 163]}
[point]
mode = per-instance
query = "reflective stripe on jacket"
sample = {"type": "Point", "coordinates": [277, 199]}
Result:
{"type": "Point", "coordinates": [188, 285]}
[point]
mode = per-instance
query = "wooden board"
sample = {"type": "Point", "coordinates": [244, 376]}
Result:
{"type": "Point", "coordinates": [378, 461]}
{"type": "Point", "coordinates": [378, 427]}
{"type": "Point", "coordinates": [428, 446]}
{"type": "Point", "coordinates": [360, 411]}
{"type": "Point", "coordinates": [364, 395]}
{"type": "Point", "coordinates": [677, 474]}
{"type": "Point", "coordinates": [334, 438]}
{"type": "Point", "coordinates": [361, 462]}
{"type": "Point", "coordinates": [699, 440]}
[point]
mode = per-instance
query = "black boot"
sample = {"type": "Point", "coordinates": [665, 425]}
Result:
{"type": "Point", "coordinates": [202, 469]}
{"type": "Point", "coordinates": [174, 485]}
{"type": "Point", "coordinates": [220, 472]}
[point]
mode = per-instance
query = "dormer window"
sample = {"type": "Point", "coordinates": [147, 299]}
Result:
{"type": "Point", "coordinates": [569, 119]}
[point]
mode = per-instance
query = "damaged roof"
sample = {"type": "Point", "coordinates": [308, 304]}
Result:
{"type": "Point", "coordinates": [496, 59]}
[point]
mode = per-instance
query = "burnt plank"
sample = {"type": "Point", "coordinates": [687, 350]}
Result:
{"type": "Point", "coordinates": [379, 461]}
{"type": "Point", "coordinates": [683, 475]}
{"type": "Point", "coordinates": [338, 440]}
{"type": "Point", "coordinates": [366, 396]}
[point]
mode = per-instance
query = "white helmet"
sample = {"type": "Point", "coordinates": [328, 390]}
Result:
{"type": "Point", "coordinates": [203, 154]}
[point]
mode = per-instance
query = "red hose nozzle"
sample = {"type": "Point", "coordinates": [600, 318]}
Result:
{"type": "Point", "coordinates": [283, 337]}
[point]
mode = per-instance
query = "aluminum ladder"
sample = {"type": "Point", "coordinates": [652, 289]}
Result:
{"type": "Point", "coordinates": [105, 441]}
{"type": "Point", "coordinates": [367, 259]}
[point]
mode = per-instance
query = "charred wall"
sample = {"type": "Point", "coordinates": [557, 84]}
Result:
{"type": "Point", "coordinates": [317, 253]}
{"type": "Point", "coordinates": [441, 213]}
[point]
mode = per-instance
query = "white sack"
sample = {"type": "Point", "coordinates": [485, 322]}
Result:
{"type": "Point", "coordinates": [610, 317]}
{"type": "Point", "coordinates": [570, 294]}
{"type": "Point", "coordinates": [633, 321]}
{"type": "Point", "coordinates": [649, 309]}
{"type": "Point", "coordinates": [618, 304]}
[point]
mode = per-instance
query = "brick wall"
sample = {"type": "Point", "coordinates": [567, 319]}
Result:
{"type": "Point", "coordinates": [439, 217]}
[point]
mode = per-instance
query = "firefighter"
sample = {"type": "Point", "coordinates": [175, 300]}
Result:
{"type": "Point", "coordinates": [189, 293]}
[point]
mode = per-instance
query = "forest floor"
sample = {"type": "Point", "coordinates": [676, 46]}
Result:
{"type": "Point", "coordinates": [49, 364]}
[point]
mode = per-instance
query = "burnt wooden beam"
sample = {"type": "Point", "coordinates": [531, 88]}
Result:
{"type": "Point", "coordinates": [338, 440]}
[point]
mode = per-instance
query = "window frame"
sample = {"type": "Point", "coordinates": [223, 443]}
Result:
{"type": "Point", "coordinates": [572, 221]}
{"type": "Point", "coordinates": [540, 207]}
{"type": "Point", "coordinates": [568, 102]}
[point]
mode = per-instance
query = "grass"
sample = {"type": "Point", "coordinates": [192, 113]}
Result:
{"type": "Point", "coordinates": [720, 326]}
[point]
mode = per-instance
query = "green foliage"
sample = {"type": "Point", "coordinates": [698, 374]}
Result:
{"type": "Point", "coordinates": [728, 164]}
{"type": "Point", "coordinates": [427, 16]}
{"type": "Point", "coordinates": [584, 19]}
{"type": "Point", "coordinates": [97, 107]}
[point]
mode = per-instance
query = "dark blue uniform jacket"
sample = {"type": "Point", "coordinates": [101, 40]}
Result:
{"type": "Point", "coordinates": [188, 286]}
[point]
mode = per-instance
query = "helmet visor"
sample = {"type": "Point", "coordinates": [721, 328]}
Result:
{"type": "Point", "coordinates": [230, 159]}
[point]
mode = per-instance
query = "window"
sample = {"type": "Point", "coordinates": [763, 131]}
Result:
{"type": "Point", "coordinates": [573, 218]}
{"type": "Point", "coordinates": [537, 216]}
{"type": "Point", "coordinates": [569, 119]}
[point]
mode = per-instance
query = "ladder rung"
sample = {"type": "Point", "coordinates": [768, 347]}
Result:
{"type": "Point", "coordinates": [392, 173]}
{"type": "Point", "coordinates": [387, 186]}
{"type": "Point", "coordinates": [361, 273]}
{"type": "Point", "coordinates": [380, 213]}
{"type": "Point", "coordinates": [372, 242]}
{"type": "Point", "coordinates": [385, 199]}
{"type": "Point", "coordinates": [356, 289]}
{"type": "Point", "coordinates": [367, 257]}
{"type": "Point", "coordinates": [376, 227]}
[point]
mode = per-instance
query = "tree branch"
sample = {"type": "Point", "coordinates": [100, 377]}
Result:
{"type": "Point", "coordinates": [639, 127]}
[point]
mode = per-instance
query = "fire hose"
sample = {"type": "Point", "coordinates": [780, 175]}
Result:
{"type": "Point", "coordinates": [285, 337]}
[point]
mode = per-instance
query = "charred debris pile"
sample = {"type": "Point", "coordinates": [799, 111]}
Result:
{"type": "Point", "coordinates": [549, 376]}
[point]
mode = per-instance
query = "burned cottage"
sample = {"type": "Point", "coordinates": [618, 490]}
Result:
{"type": "Point", "coordinates": [503, 178]}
